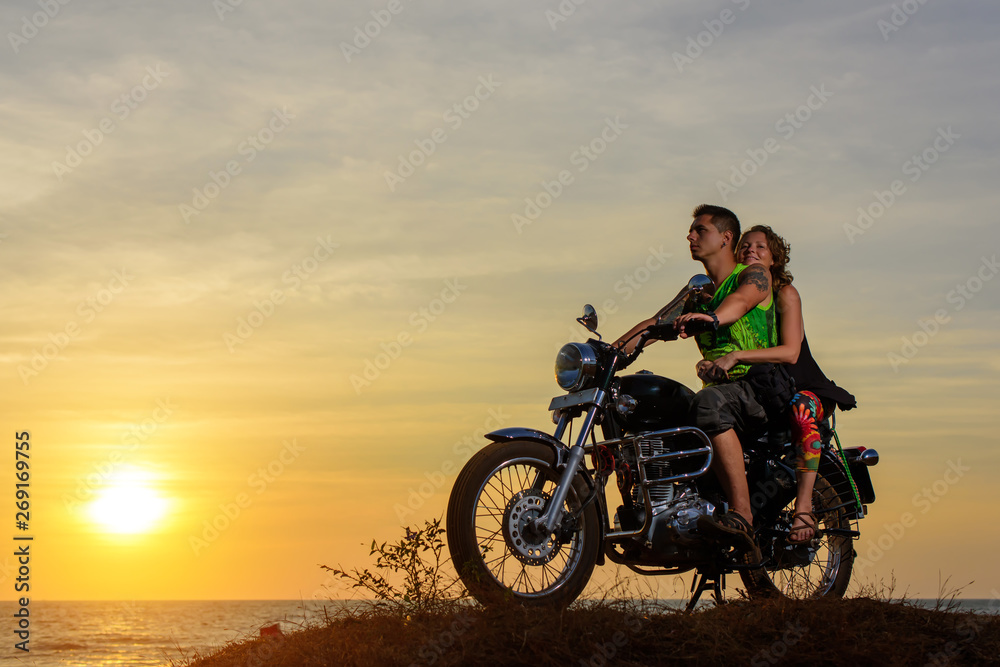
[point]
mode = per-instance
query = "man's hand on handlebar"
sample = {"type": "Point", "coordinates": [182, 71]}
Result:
{"type": "Point", "coordinates": [690, 324]}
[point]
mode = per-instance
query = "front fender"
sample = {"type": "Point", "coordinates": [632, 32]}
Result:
{"type": "Point", "coordinates": [560, 450]}
{"type": "Point", "coordinates": [522, 433]}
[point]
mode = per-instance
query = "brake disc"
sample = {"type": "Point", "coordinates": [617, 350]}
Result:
{"type": "Point", "coordinates": [527, 547]}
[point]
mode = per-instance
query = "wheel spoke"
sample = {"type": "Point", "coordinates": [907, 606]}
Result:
{"type": "Point", "coordinates": [543, 574]}
{"type": "Point", "coordinates": [518, 578]}
{"type": "Point", "coordinates": [539, 482]}
{"type": "Point", "coordinates": [499, 502]}
{"type": "Point", "coordinates": [492, 536]}
{"type": "Point", "coordinates": [522, 477]}
{"type": "Point", "coordinates": [825, 572]}
{"type": "Point", "coordinates": [526, 569]}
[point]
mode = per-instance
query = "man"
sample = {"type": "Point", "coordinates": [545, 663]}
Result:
{"type": "Point", "coordinates": [742, 311]}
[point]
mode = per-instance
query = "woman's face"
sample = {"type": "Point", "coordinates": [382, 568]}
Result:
{"type": "Point", "coordinates": [754, 250]}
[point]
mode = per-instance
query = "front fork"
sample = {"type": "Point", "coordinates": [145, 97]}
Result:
{"type": "Point", "coordinates": [553, 515]}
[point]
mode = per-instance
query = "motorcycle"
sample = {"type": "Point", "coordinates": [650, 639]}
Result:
{"type": "Point", "coordinates": [528, 517]}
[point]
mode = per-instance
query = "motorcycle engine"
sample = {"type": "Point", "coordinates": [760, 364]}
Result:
{"type": "Point", "coordinates": [660, 494]}
{"type": "Point", "coordinates": [676, 506]}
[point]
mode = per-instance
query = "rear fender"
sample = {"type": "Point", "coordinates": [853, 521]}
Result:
{"type": "Point", "coordinates": [832, 468]}
{"type": "Point", "coordinates": [859, 459]}
{"type": "Point", "coordinates": [772, 492]}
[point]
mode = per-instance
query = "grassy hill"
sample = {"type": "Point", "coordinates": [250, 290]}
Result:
{"type": "Point", "coordinates": [860, 631]}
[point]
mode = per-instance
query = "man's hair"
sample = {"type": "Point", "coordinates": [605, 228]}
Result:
{"type": "Point", "coordinates": [723, 219]}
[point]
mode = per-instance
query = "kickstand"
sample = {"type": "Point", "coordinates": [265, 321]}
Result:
{"type": "Point", "coordinates": [714, 580]}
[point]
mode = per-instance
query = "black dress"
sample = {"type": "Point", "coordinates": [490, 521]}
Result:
{"type": "Point", "coordinates": [809, 377]}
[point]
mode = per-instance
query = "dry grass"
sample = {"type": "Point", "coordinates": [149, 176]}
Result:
{"type": "Point", "coordinates": [425, 621]}
{"type": "Point", "coordinates": [860, 631]}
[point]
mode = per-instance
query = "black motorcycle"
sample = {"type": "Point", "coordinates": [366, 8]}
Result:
{"type": "Point", "coordinates": [528, 517]}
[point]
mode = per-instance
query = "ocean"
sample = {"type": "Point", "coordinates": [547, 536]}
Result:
{"type": "Point", "coordinates": [166, 633]}
{"type": "Point", "coordinates": [144, 633]}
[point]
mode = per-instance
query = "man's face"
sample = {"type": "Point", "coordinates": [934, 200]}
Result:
{"type": "Point", "coordinates": [704, 239]}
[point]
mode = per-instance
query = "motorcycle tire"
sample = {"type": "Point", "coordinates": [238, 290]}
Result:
{"type": "Point", "coordinates": [499, 490]}
{"type": "Point", "coordinates": [821, 569]}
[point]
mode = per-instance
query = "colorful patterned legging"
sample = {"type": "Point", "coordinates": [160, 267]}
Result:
{"type": "Point", "coordinates": [807, 411]}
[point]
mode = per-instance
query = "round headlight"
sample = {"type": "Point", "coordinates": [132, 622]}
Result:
{"type": "Point", "coordinates": [576, 364]}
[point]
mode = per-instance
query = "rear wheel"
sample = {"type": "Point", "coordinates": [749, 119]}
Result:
{"type": "Point", "coordinates": [490, 537]}
{"type": "Point", "coordinates": [819, 568]}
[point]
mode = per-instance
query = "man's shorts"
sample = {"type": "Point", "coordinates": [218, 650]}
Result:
{"type": "Point", "coordinates": [727, 406]}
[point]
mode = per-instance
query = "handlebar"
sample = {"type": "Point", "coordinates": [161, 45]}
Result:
{"type": "Point", "coordinates": [664, 332]}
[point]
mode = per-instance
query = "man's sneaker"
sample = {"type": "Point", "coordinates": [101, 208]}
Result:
{"type": "Point", "coordinates": [730, 528]}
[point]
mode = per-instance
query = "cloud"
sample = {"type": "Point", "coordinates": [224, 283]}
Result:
{"type": "Point", "coordinates": [846, 108]}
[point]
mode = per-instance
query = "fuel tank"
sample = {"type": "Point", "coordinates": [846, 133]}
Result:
{"type": "Point", "coordinates": [662, 403]}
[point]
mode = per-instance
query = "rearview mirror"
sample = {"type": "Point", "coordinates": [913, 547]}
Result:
{"type": "Point", "coordinates": [589, 318]}
{"type": "Point", "coordinates": [701, 282]}
{"type": "Point", "coordinates": [700, 287]}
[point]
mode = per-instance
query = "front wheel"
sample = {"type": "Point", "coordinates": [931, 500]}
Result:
{"type": "Point", "coordinates": [821, 568]}
{"type": "Point", "coordinates": [496, 496]}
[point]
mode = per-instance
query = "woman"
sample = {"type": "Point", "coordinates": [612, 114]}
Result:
{"type": "Point", "coordinates": [817, 395]}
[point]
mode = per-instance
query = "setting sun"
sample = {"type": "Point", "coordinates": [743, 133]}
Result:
{"type": "Point", "coordinates": [129, 504]}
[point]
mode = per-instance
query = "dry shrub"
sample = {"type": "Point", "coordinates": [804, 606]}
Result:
{"type": "Point", "coordinates": [418, 560]}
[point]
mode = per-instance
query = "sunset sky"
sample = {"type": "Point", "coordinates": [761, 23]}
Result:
{"type": "Point", "coordinates": [277, 274]}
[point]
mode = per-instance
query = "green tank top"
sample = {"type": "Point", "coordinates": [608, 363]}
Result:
{"type": "Point", "coordinates": [754, 331]}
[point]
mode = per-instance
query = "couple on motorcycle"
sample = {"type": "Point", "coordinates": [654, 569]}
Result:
{"type": "Point", "coordinates": [756, 316]}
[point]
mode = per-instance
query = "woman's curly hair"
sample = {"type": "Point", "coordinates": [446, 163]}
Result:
{"type": "Point", "coordinates": [780, 250]}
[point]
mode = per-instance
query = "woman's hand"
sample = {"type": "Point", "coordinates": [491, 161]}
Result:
{"type": "Point", "coordinates": [709, 371]}
{"type": "Point", "coordinates": [726, 362]}
{"type": "Point", "coordinates": [690, 317]}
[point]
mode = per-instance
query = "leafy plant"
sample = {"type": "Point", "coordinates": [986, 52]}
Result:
{"type": "Point", "coordinates": [411, 574]}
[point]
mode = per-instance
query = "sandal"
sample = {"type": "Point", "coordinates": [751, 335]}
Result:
{"type": "Point", "coordinates": [731, 527]}
{"type": "Point", "coordinates": [809, 524]}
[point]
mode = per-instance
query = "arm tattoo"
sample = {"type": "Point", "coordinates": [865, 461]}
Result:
{"type": "Point", "coordinates": [757, 276]}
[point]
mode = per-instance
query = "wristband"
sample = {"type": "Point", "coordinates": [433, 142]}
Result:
{"type": "Point", "coordinates": [715, 320]}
